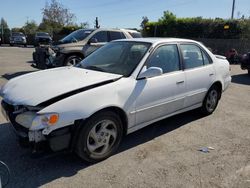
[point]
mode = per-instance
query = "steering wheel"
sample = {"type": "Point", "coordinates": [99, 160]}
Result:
{"type": "Point", "coordinates": [4, 174]}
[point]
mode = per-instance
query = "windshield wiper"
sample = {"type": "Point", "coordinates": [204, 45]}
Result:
{"type": "Point", "coordinates": [92, 67]}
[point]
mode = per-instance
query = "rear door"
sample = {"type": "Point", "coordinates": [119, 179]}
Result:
{"type": "Point", "coordinates": [199, 73]}
{"type": "Point", "coordinates": [115, 35]}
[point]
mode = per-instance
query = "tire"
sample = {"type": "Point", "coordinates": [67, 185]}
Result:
{"type": "Point", "coordinates": [72, 60]}
{"type": "Point", "coordinates": [104, 129]}
{"type": "Point", "coordinates": [211, 100]}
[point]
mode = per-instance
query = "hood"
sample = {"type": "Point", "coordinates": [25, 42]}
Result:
{"type": "Point", "coordinates": [37, 87]}
{"type": "Point", "coordinates": [43, 37]}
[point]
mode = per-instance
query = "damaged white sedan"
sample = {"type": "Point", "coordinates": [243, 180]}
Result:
{"type": "Point", "coordinates": [120, 88]}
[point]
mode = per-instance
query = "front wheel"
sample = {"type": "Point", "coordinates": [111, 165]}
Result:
{"type": "Point", "coordinates": [211, 100]}
{"type": "Point", "coordinates": [99, 137]}
{"type": "Point", "coordinates": [72, 60]}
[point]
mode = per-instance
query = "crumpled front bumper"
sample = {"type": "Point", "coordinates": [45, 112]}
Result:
{"type": "Point", "coordinates": [57, 140]}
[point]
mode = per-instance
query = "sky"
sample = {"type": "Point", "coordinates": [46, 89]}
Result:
{"type": "Point", "coordinates": [121, 13]}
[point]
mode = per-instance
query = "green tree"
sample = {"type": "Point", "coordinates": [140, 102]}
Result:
{"type": "Point", "coordinates": [17, 29]}
{"type": "Point", "coordinates": [4, 30]}
{"type": "Point", "coordinates": [168, 17]}
{"type": "Point", "coordinates": [30, 27]}
{"type": "Point", "coordinates": [144, 21]}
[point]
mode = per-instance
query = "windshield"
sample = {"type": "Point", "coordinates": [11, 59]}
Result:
{"type": "Point", "coordinates": [42, 34]}
{"type": "Point", "coordinates": [18, 34]}
{"type": "Point", "coordinates": [120, 57]}
{"type": "Point", "coordinates": [76, 36]}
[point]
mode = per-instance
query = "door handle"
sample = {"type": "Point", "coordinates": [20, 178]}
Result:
{"type": "Point", "coordinates": [211, 74]}
{"type": "Point", "coordinates": [180, 82]}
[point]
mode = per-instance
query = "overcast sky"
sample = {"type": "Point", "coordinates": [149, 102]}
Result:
{"type": "Point", "coordinates": [121, 13]}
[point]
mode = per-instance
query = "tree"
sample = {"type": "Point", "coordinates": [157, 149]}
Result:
{"type": "Point", "coordinates": [168, 17]}
{"type": "Point", "coordinates": [30, 27]}
{"type": "Point", "coordinates": [84, 25]}
{"type": "Point", "coordinates": [56, 13]}
{"type": "Point", "coordinates": [144, 21]}
{"type": "Point", "coordinates": [4, 30]}
{"type": "Point", "coordinates": [17, 29]}
{"type": "Point", "coordinates": [4, 24]}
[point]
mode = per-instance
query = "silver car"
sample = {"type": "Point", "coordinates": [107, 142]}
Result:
{"type": "Point", "coordinates": [79, 44]}
{"type": "Point", "coordinates": [18, 38]}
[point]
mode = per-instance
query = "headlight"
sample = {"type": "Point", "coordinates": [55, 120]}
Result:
{"type": "Point", "coordinates": [33, 121]}
{"type": "Point", "coordinates": [25, 119]}
{"type": "Point", "coordinates": [44, 120]}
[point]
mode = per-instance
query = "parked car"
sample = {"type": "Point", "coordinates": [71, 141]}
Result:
{"type": "Point", "coordinates": [79, 44]}
{"type": "Point", "coordinates": [18, 38]}
{"type": "Point", "coordinates": [120, 88]}
{"type": "Point", "coordinates": [42, 38]}
{"type": "Point", "coordinates": [245, 62]}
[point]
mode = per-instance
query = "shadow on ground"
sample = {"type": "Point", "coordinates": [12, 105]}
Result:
{"type": "Point", "coordinates": [241, 79]}
{"type": "Point", "coordinates": [49, 167]}
{"type": "Point", "coordinates": [9, 76]}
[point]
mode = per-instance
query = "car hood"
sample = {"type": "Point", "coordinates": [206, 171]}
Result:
{"type": "Point", "coordinates": [37, 87]}
{"type": "Point", "coordinates": [43, 37]}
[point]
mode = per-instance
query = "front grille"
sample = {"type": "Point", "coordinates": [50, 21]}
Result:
{"type": "Point", "coordinates": [21, 131]}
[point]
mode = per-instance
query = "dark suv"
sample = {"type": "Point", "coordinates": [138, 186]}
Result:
{"type": "Point", "coordinates": [42, 38]}
{"type": "Point", "coordinates": [18, 38]}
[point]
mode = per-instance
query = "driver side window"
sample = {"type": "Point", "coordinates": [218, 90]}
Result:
{"type": "Point", "coordinates": [101, 36]}
{"type": "Point", "coordinates": [165, 57]}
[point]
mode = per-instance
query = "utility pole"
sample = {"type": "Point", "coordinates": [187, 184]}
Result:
{"type": "Point", "coordinates": [97, 23]}
{"type": "Point", "coordinates": [233, 7]}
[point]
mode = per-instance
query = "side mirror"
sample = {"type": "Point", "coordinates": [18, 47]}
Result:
{"type": "Point", "coordinates": [150, 72]}
{"type": "Point", "coordinates": [93, 40]}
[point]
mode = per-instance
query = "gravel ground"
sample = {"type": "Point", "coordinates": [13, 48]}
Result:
{"type": "Point", "coordinates": [164, 154]}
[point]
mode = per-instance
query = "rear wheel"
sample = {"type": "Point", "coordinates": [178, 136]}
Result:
{"type": "Point", "coordinates": [100, 137]}
{"type": "Point", "coordinates": [72, 60]}
{"type": "Point", "coordinates": [211, 100]}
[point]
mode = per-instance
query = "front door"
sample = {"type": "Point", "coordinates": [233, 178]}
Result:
{"type": "Point", "coordinates": [164, 94]}
{"type": "Point", "coordinates": [96, 41]}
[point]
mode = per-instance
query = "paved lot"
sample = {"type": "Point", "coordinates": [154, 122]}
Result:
{"type": "Point", "coordinates": [164, 154]}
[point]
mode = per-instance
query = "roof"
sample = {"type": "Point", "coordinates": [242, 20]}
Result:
{"type": "Point", "coordinates": [155, 40]}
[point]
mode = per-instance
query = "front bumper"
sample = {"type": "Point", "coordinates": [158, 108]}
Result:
{"type": "Point", "coordinates": [58, 60]}
{"type": "Point", "coordinates": [18, 42]}
{"type": "Point", "coordinates": [57, 140]}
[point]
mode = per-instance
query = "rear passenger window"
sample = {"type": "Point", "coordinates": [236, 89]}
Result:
{"type": "Point", "coordinates": [205, 58]}
{"type": "Point", "coordinates": [114, 35]}
{"type": "Point", "coordinates": [165, 57]}
{"type": "Point", "coordinates": [192, 56]}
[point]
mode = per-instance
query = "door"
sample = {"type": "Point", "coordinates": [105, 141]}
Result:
{"type": "Point", "coordinates": [96, 41]}
{"type": "Point", "coordinates": [164, 94]}
{"type": "Point", "coordinates": [199, 73]}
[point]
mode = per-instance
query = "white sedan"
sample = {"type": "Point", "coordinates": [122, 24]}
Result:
{"type": "Point", "coordinates": [122, 87]}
